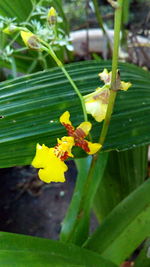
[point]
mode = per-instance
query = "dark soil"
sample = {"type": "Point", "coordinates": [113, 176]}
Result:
{"type": "Point", "coordinates": [29, 206]}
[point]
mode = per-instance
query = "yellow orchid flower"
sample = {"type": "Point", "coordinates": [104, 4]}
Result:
{"type": "Point", "coordinates": [50, 161]}
{"type": "Point", "coordinates": [96, 103]}
{"type": "Point", "coordinates": [79, 134]}
{"type": "Point", "coordinates": [105, 76]}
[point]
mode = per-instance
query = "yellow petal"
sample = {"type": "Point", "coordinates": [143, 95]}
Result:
{"type": "Point", "coordinates": [54, 172]}
{"type": "Point", "coordinates": [42, 156]}
{"type": "Point", "coordinates": [105, 76]}
{"type": "Point", "coordinates": [52, 12]}
{"type": "Point", "coordinates": [53, 168]}
{"type": "Point", "coordinates": [85, 127]}
{"type": "Point", "coordinates": [125, 85]}
{"type": "Point", "coordinates": [65, 145]}
{"type": "Point", "coordinates": [64, 118]}
{"type": "Point", "coordinates": [97, 109]}
{"type": "Point", "coordinates": [94, 147]}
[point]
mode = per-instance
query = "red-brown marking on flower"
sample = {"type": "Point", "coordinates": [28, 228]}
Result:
{"type": "Point", "coordinates": [60, 154]}
{"type": "Point", "coordinates": [83, 144]}
{"type": "Point", "coordinates": [69, 128]}
{"type": "Point", "coordinates": [79, 134]}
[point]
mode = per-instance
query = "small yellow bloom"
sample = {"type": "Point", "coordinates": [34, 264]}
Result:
{"type": "Point", "coordinates": [79, 134]}
{"type": "Point", "coordinates": [105, 76]}
{"type": "Point", "coordinates": [52, 16]}
{"type": "Point", "coordinates": [125, 86]}
{"type": "Point", "coordinates": [52, 168]}
{"type": "Point", "coordinates": [63, 149]}
{"type": "Point", "coordinates": [96, 103]}
{"type": "Point", "coordinates": [31, 40]}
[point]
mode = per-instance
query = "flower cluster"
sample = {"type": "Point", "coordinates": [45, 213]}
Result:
{"type": "Point", "coordinates": [97, 102]}
{"type": "Point", "coordinates": [50, 161]}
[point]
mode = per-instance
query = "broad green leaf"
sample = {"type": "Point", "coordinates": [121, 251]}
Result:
{"type": "Point", "coordinates": [143, 258]}
{"type": "Point", "coordinates": [16, 8]}
{"type": "Point", "coordinates": [125, 171]}
{"type": "Point", "coordinates": [75, 227]}
{"type": "Point", "coordinates": [125, 227]}
{"type": "Point", "coordinates": [21, 251]}
{"type": "Point", "coordinates": [31, 107]}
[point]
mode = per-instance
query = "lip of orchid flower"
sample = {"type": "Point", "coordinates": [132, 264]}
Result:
{"type": "Point", "coordinates": [79, 134]}
{"type": "Point", "coordinates": [50, 161]}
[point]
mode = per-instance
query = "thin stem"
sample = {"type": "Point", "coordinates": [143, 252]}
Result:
{"type": "Point", "coordinates": [100, 22]}
{"type": "Point", "coordinates": [60, 64]}
{"type": "Point", "coordinates": [88, 183]}
{"type": "Point", "coordinates": [113, 88]}
{"type": "Point", "coordinates": [13, 66]}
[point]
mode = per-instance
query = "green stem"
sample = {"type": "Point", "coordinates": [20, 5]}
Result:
{"type": "Point", "coordinates": [113, 88]}
{"type": "Point", "coordinates": [88, 184]}
{"type": "Point", "coordinates": [13, 67]}
{"type": "Point", "coordinates": [100, 22]}
{"type": "Point", "coordinates": [60, 64]}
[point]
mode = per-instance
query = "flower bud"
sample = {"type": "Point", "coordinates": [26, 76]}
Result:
{"type": "Point", "coordinates": [31, 40]}
{"type": "Point", "coordinates": [52, 16]}
{"type": "Point", "coordinates": [11, 29]}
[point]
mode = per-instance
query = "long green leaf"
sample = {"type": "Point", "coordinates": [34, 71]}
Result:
{"type": "Point", "coordinates": [125, 227]}
{"type": "Point", "coordinates": [31, 107]}
{"type": "Point", "coordinates": [125, 171]}
{"type": "Point", "coordinates": [22, 251]}
{"type": "Point", "coordinates": [75, 227]}
{"type": "Point", "coordinates": [16, 8]}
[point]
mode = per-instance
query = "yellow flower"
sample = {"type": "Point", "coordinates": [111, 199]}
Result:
{"type": "Point", "coordinates": [79, 134]}
{"type": "Point", "coordinates": [96, 103]}
{"type": "Point", "coordinates": [105, 76]}
{"type": "Point", "coordinates": [31, 40]}
{"type": "Point", "coordinates": [52, 168]}
{"type": "Point", "coordinates": [50, 161]}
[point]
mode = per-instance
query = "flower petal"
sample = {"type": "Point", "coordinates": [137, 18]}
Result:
{"type": "Point", "coordinates": [105, 76]}
{"type": "Point", "coordinates": [97, 109]}
{"type": "Point", "coordinates": [125, 86]}
{"type": "Point", "coordinates": [94, 147]}
{"type": "Point", "coordinates": [54, 170]}
{"type": "Point", "coordinates": [85, 127]}
{"type": "Point", "coordinates": [42, 156]}
{"type": "Point", "coordinates": [65, 118]}
{"type": "Point", "coordinates": [65, 145]}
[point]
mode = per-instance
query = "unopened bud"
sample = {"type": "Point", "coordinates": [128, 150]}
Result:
{"type": "Point", "coordinates": [31, 40]}
{"type": "Point", "coordinates": [11, 29]}
{"type": "Point", "coordinates": [52, 16]}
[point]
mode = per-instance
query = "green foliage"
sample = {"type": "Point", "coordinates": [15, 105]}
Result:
{"type": "Point", "coordinates": [75, 227]}
{"type": "Point", "coordinates": [125, 227]}
{"type": "Point", "coordinates": [20, 251]}
{"type": "Point", "coordinates": [124, 172]}
{"type": "Point", "coordinates": [31, 107]}
{"type": "Point", "coordinates": [18, 9]}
